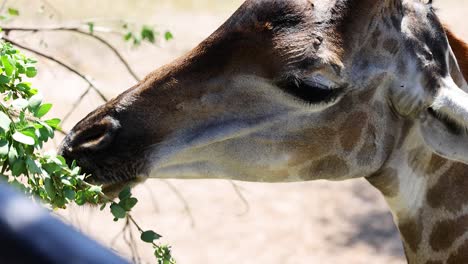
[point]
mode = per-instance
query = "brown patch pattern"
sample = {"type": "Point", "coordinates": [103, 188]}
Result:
{"type": "Point", "coordinates": [446, 232]}
{"type": "Point", "coordinates": [450, 191]}
{"type": "Point", "coordinates": [434, 262]}
{"type": "Point", "coordinates": [411, 231]}
{"type": "Point", "coordinates": [460, 256]}
{"type": "Point", "coordinates": [329, 167]}
{"type": "Point", "coordinates": [435, 163]}
{"type": "Point", "coordinates": [316, 143]}
{"type": "Point", "coordinates": [351, 130]}
{"type": "Point", "coordinates": [391, 45]}
{"type": "Point", "coordinates": [367, 152]}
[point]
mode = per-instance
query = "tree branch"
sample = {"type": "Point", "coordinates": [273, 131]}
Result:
{"type": "Point", "coordinates": [76, 103]}
{"type": "Point", "coordinates": [78, 30]}
{"type": "Point", "coordinates": [69, 68]}
{"type": "Point", "coordinates": [241, 197]}
{"type": "Point", "coordinates": [182, 199]}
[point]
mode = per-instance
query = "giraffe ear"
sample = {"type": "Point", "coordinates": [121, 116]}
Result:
{"type": "Point", "coordinates": [460, 52]}
{"type": "Point", "coordinates": [444, 125]}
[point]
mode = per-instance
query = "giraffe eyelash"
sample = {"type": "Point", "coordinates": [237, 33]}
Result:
{"type": "Point", "coordinates": [309, 91]}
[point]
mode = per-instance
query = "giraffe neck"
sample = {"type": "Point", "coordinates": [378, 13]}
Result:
{"type": "Point", "coordinates": [428, 196]}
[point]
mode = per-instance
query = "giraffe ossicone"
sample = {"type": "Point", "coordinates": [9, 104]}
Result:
{"type": "Point", "coordinates": [302, 90]}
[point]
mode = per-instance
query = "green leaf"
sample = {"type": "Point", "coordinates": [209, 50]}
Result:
{"type": "Point", "coordinates": [33, 167]}
{"type": "Point", "coordinates": [50, 188]}
{"type": "Point", "coordinates": [31, 72]}
{"type": "Point", "coordinates": [128, 203]}
{"type": "Point", "coordinates": [13, 12]}
{"type": "Point", "coordinates": [4, 79]}
{"type": "Point", "coordinates": [147, 33]}
{"type": "Point", "coordinates": [117, 211]}
{"type": "Point", "coordinates": [30, 132]}
{"type": "Point", "coordinates": [102, 207]}
{"type": "Point", "coordinates": [12, 154]}
{"type": "Point", "coordinates": [66, 182]}
{"type": "Point", "coordinates": [168, 36]}
{"type": "Point", "coordinates": [125, 193]}
{"type": "Point", "coordinates": [91, 27]}
{"type": "Point", "coordinates": [22, 138]}
{"type": "Point", "coordinates": [128, 36]}
{"type": "Point", "coordinates": [69, 193]}
{"type": "Point", "coordinates": [54, 123]}
{"type": "Point", "coordinates": [20, 103]}
{"type": "Point", "coordinates": [95, 188]}
{"type": "Point", "coordinates": [46, 132]}
{"type": "Point", "coordinates": [7, 65]}
{"type": "Point", "coordinates": [149, 236]}
{"type": "Point", "coordinates": [80, 198]}
{"type": "Point", "coordinates": [51, 167]}
{"type": "Point", "coordinates": [5, 121]}
{"type": "Point", "coordinates": [43, 110]}
{"type": "Point", "coordinates": [4, 148]}
{"type": "Point", "coordinates": [35, 101]}
{"type": "Point", "coordinates": [18, 168]}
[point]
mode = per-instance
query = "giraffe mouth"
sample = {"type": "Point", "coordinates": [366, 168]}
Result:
{"type": "Point", "coordinates": [112, 190]}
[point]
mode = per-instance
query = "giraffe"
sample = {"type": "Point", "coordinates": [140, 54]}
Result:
{"type": "Point", "coordinates": [300, 90]}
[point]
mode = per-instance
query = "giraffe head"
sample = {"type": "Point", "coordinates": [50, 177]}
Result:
{"type": "Point", "coordinates": [285, 91]}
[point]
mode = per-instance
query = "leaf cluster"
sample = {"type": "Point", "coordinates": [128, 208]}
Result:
{"type": "Point", "coordinates": [24, 129]}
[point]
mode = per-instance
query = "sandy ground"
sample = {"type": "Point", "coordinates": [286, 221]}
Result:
{"type": "Point", "coordinates": [206, 221]}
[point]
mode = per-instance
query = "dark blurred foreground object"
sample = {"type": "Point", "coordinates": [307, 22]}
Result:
{"type": "Point", "coordinates": [28, 234]}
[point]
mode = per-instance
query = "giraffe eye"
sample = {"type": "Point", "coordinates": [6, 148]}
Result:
{"type": "Point", "coordinates": [309, 90]}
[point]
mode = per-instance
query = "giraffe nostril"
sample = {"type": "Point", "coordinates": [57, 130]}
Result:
{"type": "Point", "coordinates": [92, 137]}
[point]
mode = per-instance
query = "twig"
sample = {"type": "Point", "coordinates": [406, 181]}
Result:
{"type": "Point", "coordinates": [74, 71]}
{"type": "Point", "coordinates": [79, 31]}
{"type": "Point", "coordinates": [153, 199]}
{"type": "Point", "coordinates": [76, 103]}
{"type": "Point", "coordinates": [182, 199]}
{"type": "Point", "coordinates": [12, 113]}
{"type": "Point", "coordinates": [241, 196]}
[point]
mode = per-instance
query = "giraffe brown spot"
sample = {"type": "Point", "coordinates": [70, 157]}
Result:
{"type": "Point", "coordinates": [329, 167]}
{"type": "Point", "coordinates": [411, 231]}
{"type": "Point", "coordinates": [310, 144]}
{"type": "Point", "coordinates": [434, 262]}
{"type": "Point", "coordinates": [391, 45]}
{"type": "Point", "coordinates": [460, 256]}
{"type": "Point", "coordinates": [367, 95]}
{"type": "Point", "coordinates": [367, 152]}
{"type": "Point", "coordinates": [351, 130]}
{"type": "Point", "coordinates": [450, 191]}
{"type": "Point", "coordinates": [446, 232]}
{"type": "Point", "coordinates": [415, 158]}
{"type": "Point", "coordinates": [435, 163]}
{"type": "Point", "coordinates": [386, 181]}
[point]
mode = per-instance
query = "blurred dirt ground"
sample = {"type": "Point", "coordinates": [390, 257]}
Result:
{"type": "Point", "coordinates": [206, 221]}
